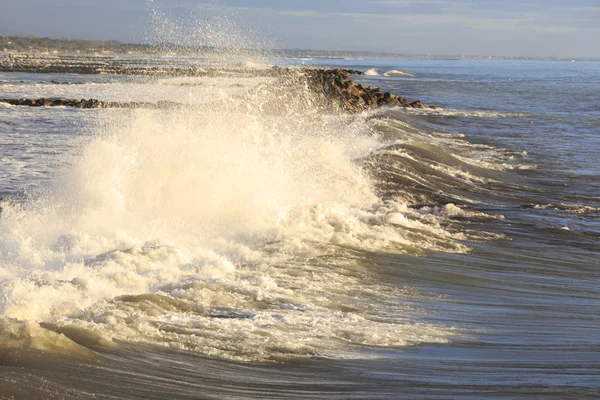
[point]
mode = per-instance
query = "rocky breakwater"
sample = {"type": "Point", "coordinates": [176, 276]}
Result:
{"type": "Point", "coordinates": [88, 103]}
{"type": "Point", "coordinates": [83, 103]}
{"type": "Point", "coordinates": [336, 85]}
{"type": "Point", "coordinates": [334, 89]}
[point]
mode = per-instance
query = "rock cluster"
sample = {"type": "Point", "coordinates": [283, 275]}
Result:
{"type": "Point", "coordinates": [83, 103]}
{"type": "Point", "coordinates": [336, 85]}
{"type": "Point", "coordinates": [89, 103]}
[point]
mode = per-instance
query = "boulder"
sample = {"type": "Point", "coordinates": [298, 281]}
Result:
{"type": "Point", "coordinates": [354, 91]}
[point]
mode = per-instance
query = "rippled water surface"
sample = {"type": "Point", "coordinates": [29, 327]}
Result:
{"type": "Point", "coordinates": [285, 253]}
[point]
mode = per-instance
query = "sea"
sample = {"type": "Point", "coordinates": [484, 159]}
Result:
{"type": "Point", "coordinates": [275, 251]}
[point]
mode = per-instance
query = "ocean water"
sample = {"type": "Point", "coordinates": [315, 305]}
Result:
{"type": "Point", "coordinates": [275, 251]}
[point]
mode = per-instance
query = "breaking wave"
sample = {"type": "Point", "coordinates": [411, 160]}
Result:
{"type": "Point", "coordinates": [397, 73]}
{"type": "Point", "coordinates": [234, 233]}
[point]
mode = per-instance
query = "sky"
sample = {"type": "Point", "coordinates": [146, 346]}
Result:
{"type": "Point", "coordinates": [531, 28]}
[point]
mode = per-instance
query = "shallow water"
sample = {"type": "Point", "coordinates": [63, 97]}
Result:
{"type": "Point", "coordinates": [282, 253]}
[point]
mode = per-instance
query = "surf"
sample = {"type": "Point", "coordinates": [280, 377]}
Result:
{"type": "Point", "coordinates": [214, 230]}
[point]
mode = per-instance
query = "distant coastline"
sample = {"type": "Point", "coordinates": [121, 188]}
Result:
{"type": "Point", "coordinates": [69, 46]}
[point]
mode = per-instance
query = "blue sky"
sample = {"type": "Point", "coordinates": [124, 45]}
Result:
{"type": "Point", "coordinates": [495, 27]}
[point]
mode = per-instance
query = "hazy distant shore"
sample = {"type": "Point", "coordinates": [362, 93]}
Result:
{"type": "Point", "coordinates": [32, 45]}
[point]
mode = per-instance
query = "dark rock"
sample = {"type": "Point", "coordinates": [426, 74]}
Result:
{"type": "Point", "coordinates": [389, 100]}
{"type": "Point", "coordinates": [354, 91]}
{"type": "Point", "coordinates": [336, 86]}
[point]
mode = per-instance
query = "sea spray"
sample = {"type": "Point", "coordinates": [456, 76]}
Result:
{"type": "Point", "coordinates": [217, 34]}
{"type": "Point", "coordinates": [236, 231]}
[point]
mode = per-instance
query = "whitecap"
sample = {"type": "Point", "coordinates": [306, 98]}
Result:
{"type": "Point", "coordinates": [397, 73]}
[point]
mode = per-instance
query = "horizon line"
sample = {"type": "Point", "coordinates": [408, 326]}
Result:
{"type": "Point", "coordinates": [340, 52]}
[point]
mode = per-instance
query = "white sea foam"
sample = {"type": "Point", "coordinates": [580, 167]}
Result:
{"type": "Point", "coordinates": [372, 72]}
{"type": "Point", "coordinates": [496, 159]}
{"type": "Point", "coordinates": [572, 208]}
{"type": "Point", "coordinates": [452, 211]}
{"type": "Point", "coordinates": [448, 112]}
